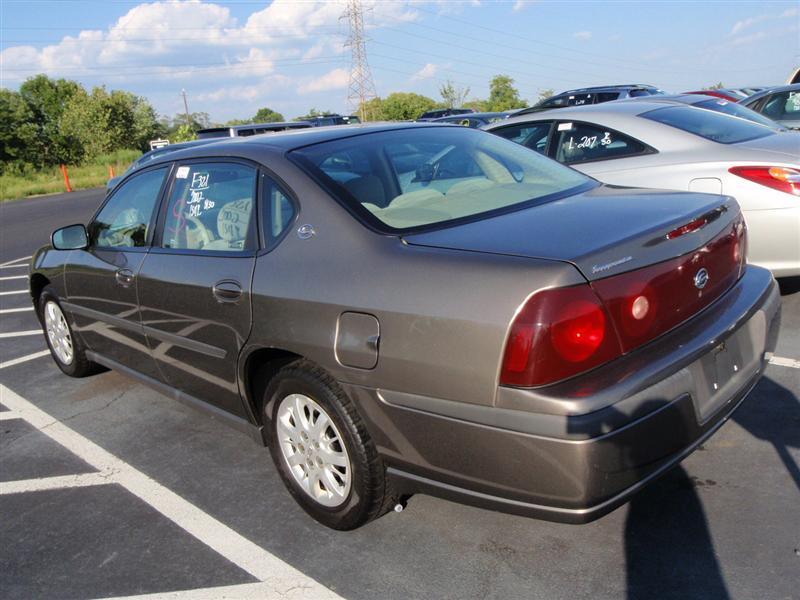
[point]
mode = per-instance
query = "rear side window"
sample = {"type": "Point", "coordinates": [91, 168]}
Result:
{"type": "Point", "coordinates": [530, 135]}
{"type": "Point", "coordinates": [707, 124]}
{"type": "Point", "coordinates": [277, 211]}
{"type": "Point", "coordinates": [606, 96]}
{"type": "Point", "coordinates": [580, 99]}
{"type": "Point", "coordinates": [783, 106]}
{"type": "Point", "coordinates": [582, 142]}
{"type": "Point", "coordinates": [211, 208]}
{"type": "Point", "coordinates": [125, 219]}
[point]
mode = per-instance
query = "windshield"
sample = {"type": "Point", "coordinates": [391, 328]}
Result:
{"type": "Point", "coordinates": [412, 178]}
{"type": "Point", "coordinates": [710, 125]}
{"type": "Point", "coordinates": [737, 110]}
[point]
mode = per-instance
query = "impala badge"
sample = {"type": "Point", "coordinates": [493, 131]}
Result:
{"type": "Point", "coordinates": [701, 278]}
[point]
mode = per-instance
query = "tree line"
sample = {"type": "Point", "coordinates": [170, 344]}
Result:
{"type": "Point", "coordinates": [58, 121]}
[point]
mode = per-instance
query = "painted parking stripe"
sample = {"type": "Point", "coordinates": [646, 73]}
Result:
{"type": "Point", "coordinates": [23, 359]}
{"type": "Point", "coordinates": [10, 263]}
{"type": "Point", "coordinates": [13, 292]}
{"type": "Point", "coordinates": [13, 334]}
{"type": "Point", "coordinates": [7, 415]}
{"type": "Point", "coordinates": [243, 591]}
{"type": "Point", "coordinates": [23, 265]}
{"type": "Point", "coordinates": [9, 278]}
{"type": "Point", "coordinates": [4, 311]}
{"type": "Point", "coordinates": [280, 577]}
{"type": "Point", "coordinates": [785, 362]}
{"type": "Point", "coordinates": [54, 483]}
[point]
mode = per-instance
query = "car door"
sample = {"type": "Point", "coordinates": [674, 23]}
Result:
{"type": "Point", "coordinates": [195, 284]}
{"type": "Point", "coordinates": [101, 281]}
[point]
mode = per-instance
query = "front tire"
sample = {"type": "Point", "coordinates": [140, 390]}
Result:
{"type": "Point", "coordinates": [322, 450]}
{"type": "Point", "coordinates": [67, 350]}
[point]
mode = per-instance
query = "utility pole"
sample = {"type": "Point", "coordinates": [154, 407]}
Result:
{"type": "Point", "coordinates": [361, 88]}
{"type": "Point", "coordinates": [186, 108]}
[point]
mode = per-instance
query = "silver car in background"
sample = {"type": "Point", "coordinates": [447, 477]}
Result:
{"type": "Point", "coordinates": [661, 144]}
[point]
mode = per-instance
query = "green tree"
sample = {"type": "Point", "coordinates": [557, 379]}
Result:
{"type": "Point", "coordinates": [453, 97]}
{"type": "Point", "coordinates": [404, 106]}
{"type": "Point", "coordinates": [313, 112]}
{"type": "Point", "coordinates": [503, 95]}
{"type": "Point", "coordinates": [47, 100]}
{"type": "Point", "coordinates": [717, 86]}
{"type": "Point", "coordinates": [545, 94]}
{"type": "Point", "coordinates": [267, 115]}
{"type": "Point", "coordinates": [17, 131]}
{"type": "Point", "coordinates": [183, 133]}
{"type": "Point", "coordinates": [372, 110]}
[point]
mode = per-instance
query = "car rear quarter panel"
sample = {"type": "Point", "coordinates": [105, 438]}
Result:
{"type": "Point", "coordinates": [443, 314]}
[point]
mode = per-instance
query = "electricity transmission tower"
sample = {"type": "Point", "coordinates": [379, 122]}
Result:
{"type": "Point", "coordinates": [361, 88]}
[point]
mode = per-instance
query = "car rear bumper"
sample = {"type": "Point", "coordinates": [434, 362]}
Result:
{"type": "Point", "coordinates": [575, 451]}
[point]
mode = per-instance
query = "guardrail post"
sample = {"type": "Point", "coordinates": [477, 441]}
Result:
{"type": "Point", "coordinates": [66, 177]}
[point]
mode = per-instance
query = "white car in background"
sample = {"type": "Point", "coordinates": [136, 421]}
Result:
{"type": "Point", "coordinates": [664, 144]}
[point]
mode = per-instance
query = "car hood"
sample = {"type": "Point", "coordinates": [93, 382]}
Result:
{"type": "Point", "coordinates": [785, 144]}
{"type": "Point", "coordinates": [605, 231]}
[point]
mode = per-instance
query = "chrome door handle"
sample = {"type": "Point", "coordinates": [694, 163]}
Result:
{"type": "Point", "coordinates": [124, 277]}
{"type": "Point", "coordinates": [227, 291]}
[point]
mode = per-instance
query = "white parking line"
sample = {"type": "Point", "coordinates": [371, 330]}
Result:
{"type": "Point", "coordinates": [13, 334]}
{"type": "Point", "coordinates": [13, 292]}
{"type": "Point", "coordinates": [10, 277]}
{"type": "Point", "coordinates": [7, 415]}
{"type": "Point", "coordinates": [15, 310]}
{"type": "Point", "coordinates": [54, 483]}
{"type": "Point", "coordinates": [785, 362]}
{"type": "Point", "coordinates": [22, 359]}
{"type": "Point", "coordinates": [280, 578]}
{"type": "Point", "coordinates": [243, 591]}
{"type": "Point", "coordinates": [10, 263]}
{"type": "Point", "coordinates": [23, 265]}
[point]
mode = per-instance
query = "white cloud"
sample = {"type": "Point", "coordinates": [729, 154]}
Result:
{"type": "Point", "coordinates": [333, 80]}
{"type": "Point", "coordinates": [518, 5]}
{"type": "Point", "coordinates": [740, 26]}
{"type": "Point", "coordinates": [426, 72]}
{"type": "Point", "coordinates": [582, 35]}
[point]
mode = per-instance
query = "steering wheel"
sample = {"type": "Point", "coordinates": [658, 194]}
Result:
{"type": "Point", "coordinates": [199, 229]}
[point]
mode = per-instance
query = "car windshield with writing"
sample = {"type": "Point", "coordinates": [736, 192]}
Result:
{"type": "Point", "coordinates": [716, 127]}
{"type": "Point", "coordinates": [412, 179]}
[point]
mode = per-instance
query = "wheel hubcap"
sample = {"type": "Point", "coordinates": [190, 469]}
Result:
{"type": "Point", "coordinates": [58, 332]}
{"type": "Point", "coordinates": [313, 449]}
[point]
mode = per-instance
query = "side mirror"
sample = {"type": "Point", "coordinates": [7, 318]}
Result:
{"type": "Point", "coordinates": [71, 237]}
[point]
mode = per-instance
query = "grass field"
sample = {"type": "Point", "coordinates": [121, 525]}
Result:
{"type": "Point", "coordinates": [51, 181]}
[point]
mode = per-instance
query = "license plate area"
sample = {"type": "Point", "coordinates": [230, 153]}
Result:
{"type": "Point", "coordinates": [722, 372]}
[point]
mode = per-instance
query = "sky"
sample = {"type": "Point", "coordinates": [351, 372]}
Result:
{"type": "Point", "coordinates": [291, 55]}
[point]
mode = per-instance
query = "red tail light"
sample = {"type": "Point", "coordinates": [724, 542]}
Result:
{"type": "Point", "coordinates": [557, 334]}
{"type": "Point", "coordinates": [563, 332]}
{"type": "Point", "coordinates": [783, 179]}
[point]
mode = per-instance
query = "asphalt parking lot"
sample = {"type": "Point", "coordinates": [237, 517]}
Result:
{"type": "Point", "coordinates": [108, 489]}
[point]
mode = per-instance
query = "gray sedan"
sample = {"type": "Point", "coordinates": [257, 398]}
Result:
{"type": "Point", "coordinates": [782, 104]}
{"type": "Point", "coordinates": [396, 309]}
{"type": "Point", "coordinates": [662, 144]}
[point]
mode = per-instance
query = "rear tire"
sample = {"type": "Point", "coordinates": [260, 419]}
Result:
{"type": "Point", "coordinates": [322, 450]}
{"type": "Point", "coordinates": [67, 351]}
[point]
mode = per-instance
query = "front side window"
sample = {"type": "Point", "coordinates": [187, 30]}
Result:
{"type": "Point", "coordinates": [783, 106]}
{"type": "Point", "coordinates": [713, 126]}
{"type": "Point", "coordinates": [530, 135]}
{"type": "Point", "coordinates": [211, 208]}
{"type": "Point", "coordinates": [581, 142]}
{"type": "Point", "coordinates": [419, 177]}
{"type": "Point", "coordinates": [125, 220]}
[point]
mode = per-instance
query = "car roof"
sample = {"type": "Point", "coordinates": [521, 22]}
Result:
{"type": "Point", "coordinates": [597, 88]}
{"type": "Point", "coordinates": [284, 141]}
{"type": "Point", "coordinates": [792, 87]}
{"type": "Point", "coordinates": [475, 114]}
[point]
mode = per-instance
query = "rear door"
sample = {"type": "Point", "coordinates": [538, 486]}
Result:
{"type": "Point", "coordinates": [101, 280]}
{"type": "Point", "coordinates": [195, 285]}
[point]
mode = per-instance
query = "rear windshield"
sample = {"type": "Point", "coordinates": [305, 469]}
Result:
{"type": "Point", "coordinates": [737, 110]}
{"type": "Point", "coordinates": [414, 178]}
{"type": "Point", "coordinates": [713, 126]}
